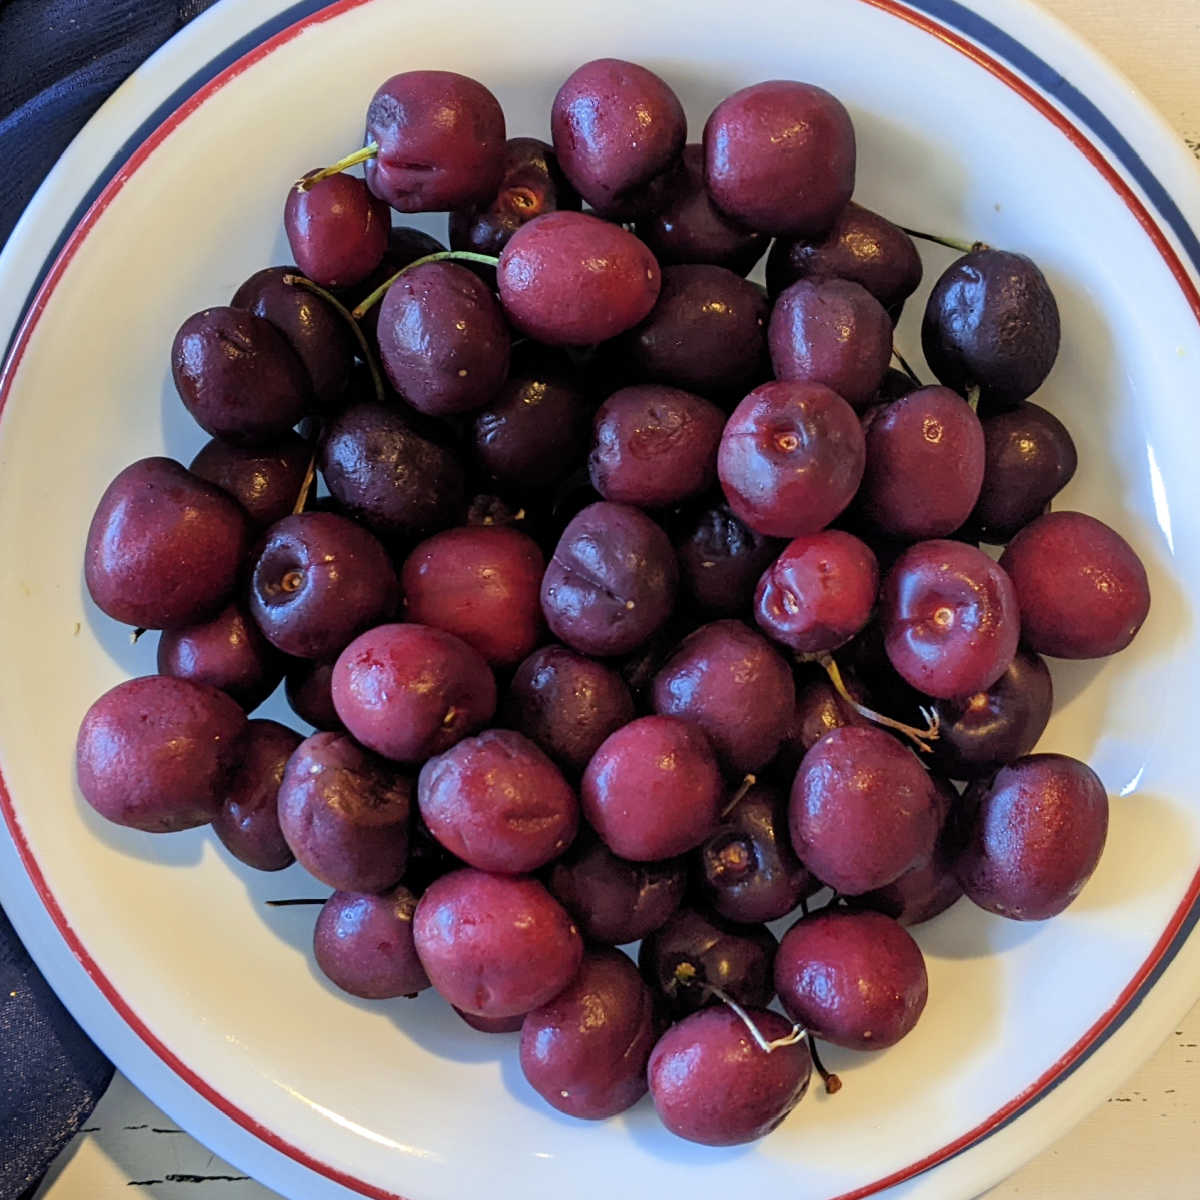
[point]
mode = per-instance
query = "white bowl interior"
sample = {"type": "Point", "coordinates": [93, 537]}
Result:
{"type": "Point", "coordinates": [402, 1095]}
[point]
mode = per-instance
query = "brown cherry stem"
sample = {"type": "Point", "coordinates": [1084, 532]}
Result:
{"type": "Point", "coordinates": [364, 306]}
{"type": "Point", "coordinates": [351, 160]}
{"type": "Point", "coordinates": [740, 794]}
{"type": "Point", "coordinates": [949, 242]}
{"type": "Point", "coordinates": [364, 347]}
{"type": "Point", "coordinates": [291, 903]}
{"type": "Point", "coordinates": [922, 737]}
{"type": "Point", "coordinates": [310, 474]}
{"type": "Point", "coordinates": [832, 1083]}
{"type": "Point", "coordinates": [905, 367]}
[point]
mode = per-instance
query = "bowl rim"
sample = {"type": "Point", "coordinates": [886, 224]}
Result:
{"type": "Point", "coordinates": [971, 32]}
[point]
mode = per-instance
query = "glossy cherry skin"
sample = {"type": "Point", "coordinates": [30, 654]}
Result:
{"type": "Point", "coordinates": [313, 329]}
{"type": "Point", "coordinates": [654, 446]}
{"type": "Point", "coordinates": [480, 583]}
{"type": "Point", "coordinates": [616, 126]}
{"type": "Point", "coordinates": [570, 279]}
{"type": "Point", "coordinates": [653, 790]}
{"type": "Point", "coordinates": [980, 733]}
{"type": "Point", "coordinates": [364, 944]}
{"type": "Point", "coordinates": [706, 333]}
{"type": "Point", "coordinates": [687, 227]}
{"type": "Point", "coordinates": [856, 979]}
{"type": "Point", "coordinates": [925, 465]}
{"type": "Point", "coordinates": [818, 593]}
{"type": "Point", "coordinates": [819, 709]}
{"type": "Point", "coordinates": [863, 810]}
{"type": "Point", "coordinates": [227, 652]}
{"type": "Point", "coordinates": [389, 475]}
{"type": "Point", "coordinates": [164, 547]}
{"type": "Point", "coordinates": [320, 579]}
{"type": "Point", "coordinates": [337, 230]}
{"type": "Point", "coordinates": [791, 458]}
{"type": "Point", "coordinates": [405, 245]}
{"type": "Point", "coordinates": [713, 1084]}
{"type": "Point", "coordinates": [615, 901]}
{"type": "Point", "coordinates": [611, 581]}
{"type": "Point", "coordinates": [494, 945]}
{"type": "Point", "coordinates": [532, 184]}
{"type": "Point", "coordinates": [536, 429]}
{"type": "Point", "coordinates": [694, 947]}
{"type": "Point", "coordinates": [1034, 837]}
{"type": "Point", "coordinates": [1029, 458]}
{"type": "Point", "coordinates": [410, 692]}
{"type": "Point", "coordinates": [748, 870]}
{"type": "Point", "coordinates": [927, 890]}
{"type": "Point", "coordinates": [309, 692]}
{"type": "Point", "coordinates": [991, 322]}
{"type": "Point", "coordinates": [585, 1052]}
{"type": "Point", "coordinates": [248, 823]}
{"type": "Point", "coordinates": [729, 681]}
{"type": "Point", "coordinates": [833, 332]}
{"type": "Point", "coordinates": [779, 157]}
{"type": "Point", "coordinates": [238, 376]}
{"type": "Point", "coordinates": [1082, 589]}
{"type": "Point", "coordinates": [157, 753]}
{"type": "Point", "coordinates": [264, 480]}
{"type": "Point", "coordinates": [442, 339]}
{"type": "Point", "coordinates": [441, 142]}
{"type": "Point", "coordinates": [492, 1024]}
{"type": "Point", "coordinates": [721, 560]}
{"type": "Point", "coordinates": [345, 814]}
{"type": "Point", "coordinates": [950, 619]}
{"type": "Point", "coordinates": [860, 246]}
{"type": "Point", "coordinates": [498, 803]}
{"type": "Point", "coordinates": [568, 704]}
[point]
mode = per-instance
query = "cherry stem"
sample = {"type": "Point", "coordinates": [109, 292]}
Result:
{"type": "Point", "coordinates": [740, 794]}
{"type": "Point", "coordinates": [364, 347]}
{"type": "Point", "coordinates": [905, 367]}
{"type": "Point", "coordinates": [310, 474]}
{"type": "Point", "coordinates": [950, 243]}
{"type": "Point", "coordinates": [290, 903]}
{"type": "Point", "coordinates": [351, 160]}
{"type": "Point", "coordinates": [922, 737]}
{"type": "Point", "coordinates": [365, 306]}
{"type": "Point", "coordinates": [798, 1034]}
{"type": "Point", "coordinates": [832, 1083]}
{"type": "Point", "coordinates": [973, 397]}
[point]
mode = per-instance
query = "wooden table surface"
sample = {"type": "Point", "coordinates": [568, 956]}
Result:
{"type": "Point", "coordinates": [1144, 1142]}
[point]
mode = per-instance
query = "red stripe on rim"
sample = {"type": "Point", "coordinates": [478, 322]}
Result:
{"type": "Point", "coordinates": [894, 8]}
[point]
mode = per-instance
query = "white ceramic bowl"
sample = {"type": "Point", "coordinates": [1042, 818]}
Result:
{"type": "Point", "coordinates": [163, 947]}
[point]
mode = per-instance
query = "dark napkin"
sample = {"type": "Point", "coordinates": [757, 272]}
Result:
{"type": "Point", "coordinates": [59, 60]}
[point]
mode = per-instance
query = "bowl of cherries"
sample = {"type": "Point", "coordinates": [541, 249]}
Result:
{"type": "Point", "coordinates": [619, 629]}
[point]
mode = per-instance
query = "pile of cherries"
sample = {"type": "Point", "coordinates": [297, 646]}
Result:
{"type": "Point", "coordinates": [640, 602]}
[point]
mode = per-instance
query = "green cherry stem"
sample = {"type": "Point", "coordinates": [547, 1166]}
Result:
{"type": "Point", "coordinates": [973, 397]}
{"type": "Point", "coordinates": [351, 160]}
{"type": "Point", "coordinates": [306, 483]}
{"type": "Point", "coordinates": [950, 243]}
{"type": "Point", "coordinates": [364, 347]}
{"type": "Point", "coordinates": [365, 306]}
{"type": "Point", "coordinates": [921, 737]}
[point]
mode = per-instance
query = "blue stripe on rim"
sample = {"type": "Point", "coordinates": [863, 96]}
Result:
{"type": "Point", "coordinates": [950, 13]}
